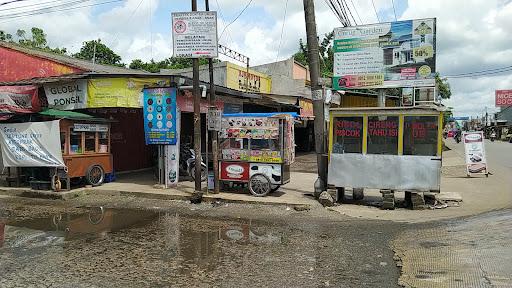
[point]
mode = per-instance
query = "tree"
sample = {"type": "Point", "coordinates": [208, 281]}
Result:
{"type": "Point", "coordinates": [325, 52]}
{"type": "Point", "coordinates": [169, 63]}
{"type": "Point", "coordinates": [443, 87]}
{"type": "Point", "coordinates": [101, 53]}
{"type": "Point", "coordinates": [5, 36]}
{"type": "Point", "coordinates": [37, 40]}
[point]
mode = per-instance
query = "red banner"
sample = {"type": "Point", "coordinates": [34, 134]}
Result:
{"type": "Point", "coordinates": [234, 171]}
{"type": "Point", "coordinates": [19, 99]}
{"type": "Point", "coordinates": [503, 98]}
{"type": "Point", "coordinates": [186, 102]}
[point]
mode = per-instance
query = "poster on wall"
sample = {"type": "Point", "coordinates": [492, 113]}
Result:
{"type": "Point", "coordinates": [385, 55]}
{"type": "Point", "coordinates": [407, 96]}
{"type": "Point", "coordinates": [32, 144]}
{"type": "Point", "coordinates": [476, 162]}
{"type": "Point", "coordinates": [67, 95]}
{"type": "Point", "coordinates": [159, 112]}
{"type": "Point", "coordinates": [19, 99]}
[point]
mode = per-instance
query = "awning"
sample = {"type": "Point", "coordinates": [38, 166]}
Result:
{"type": "Point", "coordinates": [63, 114]}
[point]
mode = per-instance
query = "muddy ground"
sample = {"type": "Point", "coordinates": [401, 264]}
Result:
{"type": "Point", "coordinates": [133, 242]}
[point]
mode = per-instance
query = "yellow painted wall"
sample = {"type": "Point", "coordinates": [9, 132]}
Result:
{"type": "Point", "coordinates": [235, 79]}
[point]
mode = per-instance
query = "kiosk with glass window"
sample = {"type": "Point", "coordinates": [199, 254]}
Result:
{"type": "Point", "coordinates": [85, 149]}
{"type": "Point", "coordinates": [395, 148]}
{"type": "Point", "coordinates": [257, 149]}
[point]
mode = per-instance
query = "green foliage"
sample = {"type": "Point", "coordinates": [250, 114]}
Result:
{"type": "Point", "coordinates": [443, 87]}
{"type": "Point", "coordinates": [169, 63]}
{"type": "Point", "coordinates": [101, 53]}
{"type": "Point", "coordinates": [325, 52]}
{"type": "Point", "coordinates": [37, 40]}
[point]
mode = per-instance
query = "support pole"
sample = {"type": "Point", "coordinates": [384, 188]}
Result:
{"type": "Point", "coordinates": [317, 95]}
{"type": "Point", "coordinates": [214, 133]}
{"type": "Point", "coordinates": [381, 97]}
{"type": "Point", "coordinates": [247, 76]}
{"type": "Point", "coordinates": [197, 117]}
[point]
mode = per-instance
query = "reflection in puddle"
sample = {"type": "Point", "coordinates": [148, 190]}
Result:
{"type": "Point", "coordinates": [189, 242]}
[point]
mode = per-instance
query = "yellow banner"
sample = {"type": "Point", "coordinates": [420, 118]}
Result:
{"type": "Point", "coordinates": [236, 79]}
{"type": "Point", "coordinates": [119, 92]}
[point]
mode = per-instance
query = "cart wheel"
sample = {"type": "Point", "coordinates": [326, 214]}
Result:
{"type": "Point", "coordinates": [95, 175]}
{"type": "Point", "coordinates": [274, 188]}
{"type": "Point", "coordinates": [259, 185]}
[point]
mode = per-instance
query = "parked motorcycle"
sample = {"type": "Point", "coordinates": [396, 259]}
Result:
{"type": "Point", "coordinates": [457, 136]}
{"type": "Point", "coordinates": [188, 163]}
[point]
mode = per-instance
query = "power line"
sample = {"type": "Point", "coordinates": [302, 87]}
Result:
{"type": "Point", "coordinates": [394, 11]}
{"type": "Point", "coordinates": [43, 9]}
{"type": "Point", "coordinates": [350, 12]}
{"type": "Point", "coordinates": [221, 15]}
{"type": "Point", "coordinates": [357, 13]}
{"type": "Point", "coordinates": [129, 18]}
{"type": "Point", "coordinates": [29, 5]}
{"type": "Point", "coordinates": [375, 10]}
{"type": "Point", "coordinates": [282, 29]}
{"type": "Point", "coordinates": [233, 21]}
{"type": "Point", "coordinates": [479, 74]}
{"type": "Point", "coordinates": [481, 71]}
{"type": "Point", "coordinates": [13, 1]}
{"type": "Point", "coordinates": [57, 10]}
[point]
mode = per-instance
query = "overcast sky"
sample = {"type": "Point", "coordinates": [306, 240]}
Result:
{"type": "Point", "coordinates": [472, 35]}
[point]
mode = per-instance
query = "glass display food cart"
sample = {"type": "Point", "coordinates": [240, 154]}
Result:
{"type": "Point", "coordinates": [257, 149]}
{"type": "Point", "coordinates": [86, 151]}
{"type": "Point", "coordinates": [394, 148]}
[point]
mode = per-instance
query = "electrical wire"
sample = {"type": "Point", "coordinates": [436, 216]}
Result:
{"type": "Point", "coordinates": [236, 18]}
{"type": "Point", "coordinates": [13, 1]}
{"type": "Point", "coordinates": [334, 10]}
{"type": "Point", "coordinates": [394, 11]}
{"type": "Point", "coordinates": [222, 15]}
{"type": "Point", "coordinates": [127, 20]}
{"type": "Point", "coordinates": [58, 10]}
{"type": "Point", "coordinates": [375, 10]}
{"type": "Point", "coordinates": [479, 74]}
{"type": "Point", "coordinates": [350, 12]}
{"type": "Point", "coordinates": [68, 4]}
{"type": "Point", "coordinates": [357, 13]}
{"type": "Point", "coordinates": [29, 5]}
{"type": "Point", "coordinates": [282, 29]}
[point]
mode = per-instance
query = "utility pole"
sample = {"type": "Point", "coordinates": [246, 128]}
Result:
{"type": "Point", "coordinates": [197, 117]}
{"type": "Point", "coordinates": [317, 95]}
{"type": "Point", "coordinates": [214, 133]}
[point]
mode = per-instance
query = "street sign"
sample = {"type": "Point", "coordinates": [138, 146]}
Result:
{"type": "Point", "coordinates": [194, 34]}
{"type": "Point", "coordinates": [214, 119]}
{"type": "Point", "coordinates": [160, 112]}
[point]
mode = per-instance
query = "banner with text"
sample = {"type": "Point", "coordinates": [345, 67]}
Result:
{"type": "Point", "coordinates": [19, 99]}
{"type": "Point", "coordinates": [67, 95]}
{"type": "Point", "coordinates": [32, 144]}
{"type": "Point", "coordinates": [120, 92]}
{"type": "Point", "coordinates": [385, 55]}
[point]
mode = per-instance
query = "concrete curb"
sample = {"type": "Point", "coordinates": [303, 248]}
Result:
{"type": "Point", "coordinates": [67, 195]}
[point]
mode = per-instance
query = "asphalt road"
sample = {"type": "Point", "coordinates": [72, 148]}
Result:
{"type": "Point", "coordinates": [499, 153]}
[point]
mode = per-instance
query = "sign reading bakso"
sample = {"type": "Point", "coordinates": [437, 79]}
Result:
{"type": "Point", "coordinates": [194, 34]}
{"type": "Point", "coordinates": [385, 55]}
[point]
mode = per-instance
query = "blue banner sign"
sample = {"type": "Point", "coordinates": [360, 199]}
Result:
{"type": "Point", "coordinates": [461, 118]}
{"type": "Point", "coordinates": [160, 116]}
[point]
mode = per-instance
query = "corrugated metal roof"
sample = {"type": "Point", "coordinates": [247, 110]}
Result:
{"type": "Point", "coordinates": [86, 65]}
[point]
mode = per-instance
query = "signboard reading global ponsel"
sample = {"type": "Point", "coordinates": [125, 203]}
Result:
{"type": "Point", "coordinates": [385, 55]}
{"type": "Point", "coordinates": [160, 116]}
{"type": "Point", "coordinates": [194, 34]}
{"type": "Point", "coordinates": [67, 95]}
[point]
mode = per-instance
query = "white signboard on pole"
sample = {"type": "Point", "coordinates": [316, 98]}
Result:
{"type": "Point", "coordinates": [476, 162]}
{"type": "Point", "coordinates": [194, 34]}
{"type": "Point", "coordinates": [67, 96]}
{"type": "Point", "coordinates": [32, 144]}
{"type": "Point", "coordinates": [214, 119]}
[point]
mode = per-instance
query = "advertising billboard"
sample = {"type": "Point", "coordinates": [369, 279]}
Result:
{"type": "Point", "coordinates": [503, 98]}
{"type": "Point", "coordinates": [160, 116]}
{"type": "Point", "coordinates": [385, 55]}
{"type": "Point", "coordinates": [475, 152]}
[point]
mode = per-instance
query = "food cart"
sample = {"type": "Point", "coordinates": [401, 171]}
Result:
{"type": "Point", "coordinates": [388, 148]}
{"type": "Point", "coordinates": [257, 149]}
